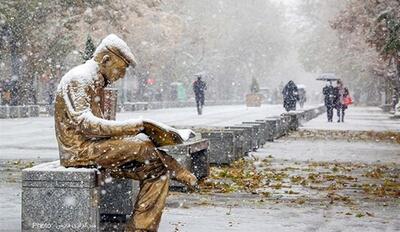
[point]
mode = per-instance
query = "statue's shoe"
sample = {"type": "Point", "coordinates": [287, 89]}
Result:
{"type": "Point", "coordinates": [186, 178]}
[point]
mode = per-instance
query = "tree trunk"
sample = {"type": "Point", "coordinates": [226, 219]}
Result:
{"type": "Point", "coordinates": [15, 58]}
{"type": "Point", "coordinates": [397, 82]}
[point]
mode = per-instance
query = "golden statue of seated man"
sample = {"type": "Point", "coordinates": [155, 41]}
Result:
{"type": "Point", "coordinates": [86, 139]}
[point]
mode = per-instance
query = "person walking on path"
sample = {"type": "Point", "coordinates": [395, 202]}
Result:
{"type": "Point", "coordinates": [199, 86]}
{"type": "Point", "coordinates": [340, 93]}
{"type": "Point", "coordinates": [328, 92]}
{"type": "Point", "coordinates": [290, 96]}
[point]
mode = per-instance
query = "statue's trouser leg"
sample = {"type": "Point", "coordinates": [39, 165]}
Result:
{"type": "Point", "coordinates": [150, 169]}
{"type": "Point", "coordinates": [149, 204]}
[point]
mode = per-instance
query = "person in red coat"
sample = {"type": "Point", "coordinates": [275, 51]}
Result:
{"type": "Point", "coordinates": [340, 93]}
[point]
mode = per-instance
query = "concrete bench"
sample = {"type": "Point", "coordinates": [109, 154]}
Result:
{"type": "Point", "coordinates": [135, 106]}
{"type": "Point", "coordinates": [285, 123]}
{"type": "Point", "coordinates": [226, 145]}
{"type": "Point", "coordinates": [279, 125]}
{"type": "Point", "coordinates": [295, 119]}
{"type": "Point", "coordinates": [313, 113]}
{"type": "Point", "coordinates": [272, 126]}
{"type": "Point", "coordinates": [386, 107]}
{"type": "Point", "coordinates": [46, 109]}
{"type": "Point", "coordinates": [262, 133]}
{"type": "Point", "coordinates": [55, 198]}
{"type": "Point", "coordinates": [192, 154]}
{"type": "Point", "coordinates": [269, 129]}
{"type": "Point", "coordinates": [249, 134]}
{"type": "Point", "coordinates": [275, 125]}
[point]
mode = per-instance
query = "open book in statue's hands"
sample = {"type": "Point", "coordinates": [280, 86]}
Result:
{"type": "Point", "coordinates": [163, 135]}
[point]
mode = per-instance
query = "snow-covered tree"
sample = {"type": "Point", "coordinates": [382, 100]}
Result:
{"type": "Point", "coordinates": [89, 49]}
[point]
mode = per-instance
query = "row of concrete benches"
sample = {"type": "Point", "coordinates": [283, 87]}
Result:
{"type": "Point", "coordinates": [135, 106]}
{"type": "Point", "coordinates": [230, 143]}
{"type": "Point", "coordinates": [55, 198]}
{"type": "Point", "coordinates": [19, 111]}
{"type": "Point", "coordinates": [14, 111]}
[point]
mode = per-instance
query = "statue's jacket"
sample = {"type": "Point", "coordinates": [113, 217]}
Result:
{"type": "Point", "coordinates": [79, 116]}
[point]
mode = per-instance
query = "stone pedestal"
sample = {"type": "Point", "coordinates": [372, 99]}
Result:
{"type": "Point", "coordinates": [73, 199]}
{"type": "Point", "coordinates": [55, 198]}
{"type": "Point", "coordinates": [117, 197]}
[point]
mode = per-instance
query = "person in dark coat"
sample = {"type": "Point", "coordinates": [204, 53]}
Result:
{"type": "Point", "coordinates": [199, 87]}
{"type": "Point", "coordinates": [290, 96]}
{"type": "Point", "coordinates": [329, 97]}
{"type": "Point", "coordinates": [340, 93]}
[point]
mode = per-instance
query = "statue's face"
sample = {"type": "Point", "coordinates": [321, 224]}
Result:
{"type": "Point", "coordinates": [114, 68]}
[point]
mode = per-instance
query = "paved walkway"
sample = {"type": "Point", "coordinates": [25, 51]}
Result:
{"type": "Point", "coordinates": [358, 119]}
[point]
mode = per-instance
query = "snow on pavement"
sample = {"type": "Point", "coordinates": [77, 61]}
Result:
{"type": "Point", "coordinates": [328, 150]}
{"type": "Point", "coordinates": [276, 217]}
{"type": "Point", "coordinates": [357, 119]}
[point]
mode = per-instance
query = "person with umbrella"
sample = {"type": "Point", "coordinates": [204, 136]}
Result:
{"type": "Point", "coordinates": [290, 96]}
{"type": "Point", "coordinates": [329, 93]}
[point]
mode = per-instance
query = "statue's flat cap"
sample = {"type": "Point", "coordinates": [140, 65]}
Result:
{"type": "Point", "coordinates": [114, 44]}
